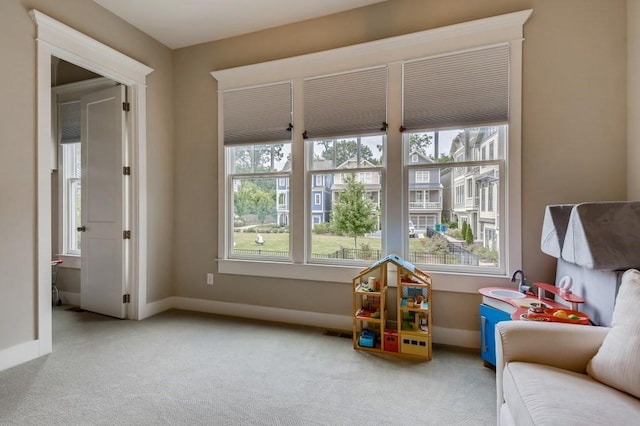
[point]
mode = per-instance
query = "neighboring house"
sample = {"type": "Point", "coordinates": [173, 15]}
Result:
{"type": "Point", "coordinates": [321, 198]}
{"type": "Point", "coordinates": [474, 189]}
{"type": "Point", "coordinates": [425, 193]}
{"type": "Point", "coordinates": [282, 197]}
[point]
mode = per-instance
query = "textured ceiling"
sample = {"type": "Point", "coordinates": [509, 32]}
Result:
{"type": "Point", "coordinates": [181, 23]}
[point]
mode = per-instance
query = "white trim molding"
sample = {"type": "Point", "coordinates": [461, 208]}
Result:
{"type": "Point", "coordinates": [441, 335]}
{"type": "Point", "coordinates": [56, 39]}
{"type": "Point", "coordinates": [16, 355]}
{"type": "Point", "coordinates": [466, 35]}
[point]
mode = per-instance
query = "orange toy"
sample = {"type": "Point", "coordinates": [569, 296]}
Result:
{"type": "Point", "coordinates": [558, 315]}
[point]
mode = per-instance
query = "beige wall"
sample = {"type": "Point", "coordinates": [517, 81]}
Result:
{"type": "Point", "coordinates": [633, 99]}
{"type": "Point", "coordinates": [574, 130]}
{"type": "Point", "coordinates": [574, 138]}
{"type": "Point", "coordinates": [18, 309]}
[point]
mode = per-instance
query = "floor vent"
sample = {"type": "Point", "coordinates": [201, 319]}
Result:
{"type": "Point", "coordinates": [335, 333]}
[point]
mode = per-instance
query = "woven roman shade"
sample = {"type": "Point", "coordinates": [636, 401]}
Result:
{"type": "Point", "coordinates": [258, 114]}
{"type": "Point", "coordinates": [346, 104]}
{"type": "Point", "coordinates": [69, 122]}
{"type": "Point", "coordinates": [459, 89]}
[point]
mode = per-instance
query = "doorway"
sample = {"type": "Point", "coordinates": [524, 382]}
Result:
{"type": "Point", "coordinates": [88, 207]}
{"type": "Point", "coordinates": [55, 39]}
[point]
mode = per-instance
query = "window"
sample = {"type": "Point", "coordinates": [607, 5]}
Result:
{"type": "Point", "coordinates": [318, 199]}
{"type": "Point", "coordinates": [472, 192]}
{"type": "Point", "coordinates": [444, 105]}
{"type": "Point", "coordinates": [71, 197]}
{"type": "Point", "coordinates": [422, 176]}
{"type": "Point", "coordinates": [356, 198]}
{"type": "Point", "coordinates": [257, 134]}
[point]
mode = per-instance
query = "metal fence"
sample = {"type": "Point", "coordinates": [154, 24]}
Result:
{"type": "Point", "coordinates": [457, 255]}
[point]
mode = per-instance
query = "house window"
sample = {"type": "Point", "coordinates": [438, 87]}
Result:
{"type": "Point", "coordinates": [317, 199]}
{"type": "Point", "coordinates": [422, 176]}
{"type": "Point", "coordinates": [71, 168]}
{"type": "Point", "coordinates": [344, 129]}
{"type": "Point", "coordinates": [352, 168]}
{"type": "Point", "coordinates": [260, 205]}
{"type": "Point", "coordinates": [460, 144]}
{"type": "Point", "coordinates": [440, 92]}
{"type": "Point", "coordinates": [490, 198]}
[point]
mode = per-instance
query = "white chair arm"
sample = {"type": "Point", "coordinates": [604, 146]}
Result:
{"type": "Point", "coordinates": [560, 345]}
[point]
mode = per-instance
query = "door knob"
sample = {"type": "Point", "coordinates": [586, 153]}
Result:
{"type": "Point", "coordinates": [81, 228]}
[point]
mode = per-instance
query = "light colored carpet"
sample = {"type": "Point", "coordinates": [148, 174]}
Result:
{"type": "Point", "coordinates": [184, 368]}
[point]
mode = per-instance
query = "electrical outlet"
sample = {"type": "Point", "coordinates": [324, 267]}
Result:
{"type": "Point", "coordinates": [210, 278]}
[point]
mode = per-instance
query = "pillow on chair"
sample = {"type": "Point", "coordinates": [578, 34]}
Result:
{"type": "Point", "coordinates": [617, 362]}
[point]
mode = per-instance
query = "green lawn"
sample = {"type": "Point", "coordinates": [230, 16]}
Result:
{"type": "Point", "coordinates": [321, 244]}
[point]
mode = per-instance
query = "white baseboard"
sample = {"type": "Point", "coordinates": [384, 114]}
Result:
{"type": "Point", "coordinates": [456, 337]}
{"type": "Point", "coordinates": [153, 308]}
{"type": "Point", "coordinates": [19, 354]}
{"type": "Point", "coordinates": [441, 335]}
{"type": "Point", "coordinates": [266, 313]}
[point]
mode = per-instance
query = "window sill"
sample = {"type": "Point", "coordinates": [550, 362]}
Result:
{"type": "Point", "coordinates": [442, 281]}
{"type": "Point", "coordinates": [70, 261]}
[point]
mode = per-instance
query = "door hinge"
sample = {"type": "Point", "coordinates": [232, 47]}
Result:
{"type": "Point", "coordinates": [126, 170]}
{"type": "Point", "coordinates": [126, 106]}
{"type": "Point", "coordinates": [126, 235]}
{"type": "Point", "coordinates": [126, 298]}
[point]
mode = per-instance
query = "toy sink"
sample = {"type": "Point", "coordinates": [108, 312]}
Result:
{"type": "Point", "coordinates": [511, 294]}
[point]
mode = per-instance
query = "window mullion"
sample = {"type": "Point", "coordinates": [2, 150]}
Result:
{"type": "Point", "coordinates": [393, 238]}
{"type": "Point", "coordinates": [298, 198]}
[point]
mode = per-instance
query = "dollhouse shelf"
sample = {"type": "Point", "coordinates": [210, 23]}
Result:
{"type": "Point", "coordinates": [409, 335]}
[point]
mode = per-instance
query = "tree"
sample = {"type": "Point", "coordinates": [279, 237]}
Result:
{"type": "Point", "coordinates": [464, 230]}
{"type": "Point", "coordinates": [353, 214]}
{"type": "Point", "coordinates": [255, 196]}
{"type": "Point", "coordinates": [445, 158]}
{"type": "Point", "coordinates": [469, 236]}
{"type": "Point", "coordinates": [257, 158]}
{"type": "Point", "coordinates": [346, 149]}
{"type": "Point", "coordinates": [420, 142]}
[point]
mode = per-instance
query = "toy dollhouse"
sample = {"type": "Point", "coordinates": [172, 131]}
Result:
{"type": "Point", "coordinates": [373, 331]}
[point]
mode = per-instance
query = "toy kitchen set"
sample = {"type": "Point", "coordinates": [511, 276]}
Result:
{"type": "Point", "coordinates": [594, 244]}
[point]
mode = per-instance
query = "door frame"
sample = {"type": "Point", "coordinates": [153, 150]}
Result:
{"type": "Point", "coordinates": [56, 39]}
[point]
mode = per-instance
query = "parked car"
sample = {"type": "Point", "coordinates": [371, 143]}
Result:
{"type": "Point", "coordinates": [412, 230]}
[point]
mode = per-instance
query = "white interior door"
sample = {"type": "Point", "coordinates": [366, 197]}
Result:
{"type": "Point", "coordinates": [103, 273]}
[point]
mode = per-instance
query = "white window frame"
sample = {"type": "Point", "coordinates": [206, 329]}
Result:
{"type": "Point", "coordinates": [317, 199]}
{"type": "Point", "coordinates": [67, 204]}
{"type": "Point", "coordinates": [480, 33]}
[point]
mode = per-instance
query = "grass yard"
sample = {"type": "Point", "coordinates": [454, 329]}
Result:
{"type": "Point", "coordinates": [321, 244]}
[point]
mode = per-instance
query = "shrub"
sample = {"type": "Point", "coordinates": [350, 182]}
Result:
{"type": "Point", "coordinates": [322, 228]}
{"type": "Point", "coordinates": [455, 233]}
{"type": "Point", "coordinates": [464, 230]}
{"type": "Point", "coordinates": [435, 245]}
{"type": "Point", "coordinates": [365, 251]}
{"type": "Point", "coordinates": [469, 237]}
